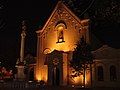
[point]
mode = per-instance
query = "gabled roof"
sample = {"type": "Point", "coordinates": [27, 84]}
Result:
{"type": "Point", "coordinates": [106, 52]}
{"type": "Point", "coordinates": [60, 3]}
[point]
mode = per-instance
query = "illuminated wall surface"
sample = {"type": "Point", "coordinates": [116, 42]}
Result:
{"type": "Point", "coordinates": [79, 80]}
{"type": "Point", "coordinates": [61, 32]}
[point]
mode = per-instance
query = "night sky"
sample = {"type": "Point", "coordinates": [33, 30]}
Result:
{"type": "Point", "coordinates": [13, 13]}
{"type": "Point", "coordinates": [36, 12]}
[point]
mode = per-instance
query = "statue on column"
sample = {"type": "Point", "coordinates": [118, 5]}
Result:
{"type": "Point", "coordinates": [20, 64]}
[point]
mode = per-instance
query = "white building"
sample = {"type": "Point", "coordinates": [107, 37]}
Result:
{"type": "Point", "coordinates": [106, 67]}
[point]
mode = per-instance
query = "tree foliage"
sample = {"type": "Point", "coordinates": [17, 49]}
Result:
{"type": "Point", "coordinates": [104, 18]}
{"type": "Point", "coordinates": [29, 59]}
{"type": "Point", "coordinates": [82, 56]}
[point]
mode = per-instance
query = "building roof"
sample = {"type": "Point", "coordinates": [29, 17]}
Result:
{"type": "Point", "coordinates": [94, 40]}
{"type": "Point", "coordinates": [106, 52]}
{"type": "Point", "coordinates": [53, 10]}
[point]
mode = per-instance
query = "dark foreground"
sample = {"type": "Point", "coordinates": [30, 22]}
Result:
{"type": "Point", "coordinates": [36, 86]}
{"type": "Point", "coordinates": [59, 88]}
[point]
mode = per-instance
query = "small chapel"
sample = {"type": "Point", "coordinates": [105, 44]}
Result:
{"type": "Point", "coordinates": [56, 41]}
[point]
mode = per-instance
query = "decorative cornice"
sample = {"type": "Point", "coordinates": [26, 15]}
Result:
{"type": "Point", "coordinates": [61, 12]}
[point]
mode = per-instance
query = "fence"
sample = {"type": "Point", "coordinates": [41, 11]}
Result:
{"type": "Point", "coordinates": [19, 85]}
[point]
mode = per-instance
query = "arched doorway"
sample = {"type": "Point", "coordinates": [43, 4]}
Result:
{"type": "Point", "coordinates": [56, 76]}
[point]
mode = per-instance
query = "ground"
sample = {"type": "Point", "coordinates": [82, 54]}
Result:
{"type": "Point", "coordinates": [36, 86]}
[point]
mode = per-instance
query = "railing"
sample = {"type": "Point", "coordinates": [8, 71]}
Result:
{"type": "Point", "coordinates": [38, 86]}
{"type": "Point", "coordinates": [19, 85]}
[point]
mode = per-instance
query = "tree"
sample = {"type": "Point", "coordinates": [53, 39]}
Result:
{"type": "Point", "coordinates": [29, 60]}
{"type": "Point", "coordinates": [104, 17]}
{"type": "Point", "coordinates": [82, 59]}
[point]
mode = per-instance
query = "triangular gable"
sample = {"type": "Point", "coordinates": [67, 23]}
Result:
{"type": "Point", "coordinates": [105, 52]}
{"type": "Point", "coordinates": [60, 4]}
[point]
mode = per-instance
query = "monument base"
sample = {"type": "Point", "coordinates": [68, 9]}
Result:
{"type": "Point", "coordinates": [20, 76]}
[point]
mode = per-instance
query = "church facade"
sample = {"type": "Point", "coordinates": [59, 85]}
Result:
{"type": "Point", "coordinates": [56, 42]}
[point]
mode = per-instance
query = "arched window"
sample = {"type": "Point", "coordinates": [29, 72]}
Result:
{"type": "Point", "coordinates": [113, 75]}
{"type": "Point", "coordinates": [100, 73]}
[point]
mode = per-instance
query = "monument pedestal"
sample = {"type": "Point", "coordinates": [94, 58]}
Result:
{"type": "Point", "coordinates": [20, 73]}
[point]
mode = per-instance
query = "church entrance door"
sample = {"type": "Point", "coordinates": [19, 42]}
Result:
{"type": "Point", "coordinates": [56, 76]}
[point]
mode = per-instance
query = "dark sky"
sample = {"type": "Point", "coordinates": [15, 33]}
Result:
{"type": "Point", "coordinates": [13, 12]}
{"type": "Point", "coordinates": [35, 12]}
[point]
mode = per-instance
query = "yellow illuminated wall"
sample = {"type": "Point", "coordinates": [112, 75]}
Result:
{"type": "Point", "coordinates": [73, 28]}
{"type": "Point", "coordinates": [79, 80]}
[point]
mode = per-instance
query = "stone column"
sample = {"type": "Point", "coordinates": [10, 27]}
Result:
{"type": "Point", "coordinates": [23, 34]}
{"type": "Point", "coordinates": [20, 65]}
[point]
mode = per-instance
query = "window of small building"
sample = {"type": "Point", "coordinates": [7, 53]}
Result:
{"type": "Point", "coordinates": [113, 76]}
{"type": "Point", "coordinates": [100, 73]}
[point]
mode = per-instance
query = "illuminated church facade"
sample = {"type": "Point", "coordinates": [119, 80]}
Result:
{"type": "Point", "coordinates": [56, 42]}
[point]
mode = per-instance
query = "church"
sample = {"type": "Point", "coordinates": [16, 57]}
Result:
{"type": "Point", "coordinates": [56, 42]}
